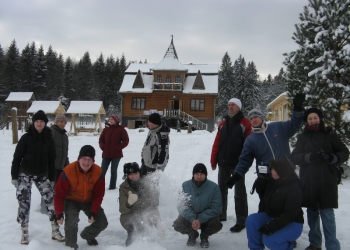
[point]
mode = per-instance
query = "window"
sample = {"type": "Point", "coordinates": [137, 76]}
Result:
{"type": "Point", "coordinates": [159, 78]}
{"type": "Point", "coordinates": [197, 104]}
{"type": "Point", "coordinates": [168, 78]}
{"type": "Point", "coordinates": [138, 103]}
{"type": "Point", "coordinates": [177, 79]}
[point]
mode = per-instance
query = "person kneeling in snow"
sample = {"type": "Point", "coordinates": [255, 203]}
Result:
{"type": "Point", "coordinates": [199, 208]}
{"type": "Point", "coordinates": [81, 186]}
{"type": "Point", "coordinates": [282, 222]}
{"type": "Point", "coordinates": [137, 204]}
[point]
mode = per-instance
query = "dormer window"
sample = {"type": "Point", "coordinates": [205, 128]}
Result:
{"type": "Point", "coordinates": [177, 78]}
{"type": "Point", "coordinates": [159, 78]}
{"type": "Point", "coordinates": [168, 78]}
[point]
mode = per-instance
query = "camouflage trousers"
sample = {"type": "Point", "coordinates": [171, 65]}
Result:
{"type": "Point", "coordinates": [24, 193]}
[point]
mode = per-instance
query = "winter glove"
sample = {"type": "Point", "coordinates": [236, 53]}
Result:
{"type": "Point", "coordinates": [232, 180]}
{"type": "Point", "coordinates": [330, 158]}
{"type": "Point", "coordinates": [314, 157]}
{"type": "Point", "coordinates": [132, 198]}
{"type": "Point", "coordinates": [15, 183]}
{"type": "Point", "coordinates": [298, 102]}
{"type": "Point", "coordinates": [265, 229]}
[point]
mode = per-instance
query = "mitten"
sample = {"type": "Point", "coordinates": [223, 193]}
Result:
{"type": "Point", "coordinates": [298, 102]}
{"type": "Point", "coordinates": [15, 183]}
{"type": "Point", "coordinates": [132, 198]}
{"type": "Point", "coordinates": [232, 180]}
{"type": "Point", "coordinates": [265, 229]}
{"type": "Point", "coordinates": [330, 158]}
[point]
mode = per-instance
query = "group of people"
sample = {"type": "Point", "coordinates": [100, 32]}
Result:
{"type": "Point", "coordinates": [67, 188]}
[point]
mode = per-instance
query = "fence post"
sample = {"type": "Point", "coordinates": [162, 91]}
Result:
{"type": "Point", "coordinates": [14, 125]}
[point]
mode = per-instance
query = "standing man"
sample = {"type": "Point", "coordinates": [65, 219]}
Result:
{"type": "Point", "coordinates": [155, 151]}
{"type": "Point", "coordinates": [199, 208]}
{"type": "Point", "coordinates": [112, 141]}
{"type": "Point", "coordinates": [267, 142]}
{"type": "Point", "coordinates": [81, 186]}
{"type": "Point", "coordinates": [227, 148]}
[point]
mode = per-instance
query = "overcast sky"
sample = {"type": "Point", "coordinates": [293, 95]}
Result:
{"type": "Point", "coordinates": [259, 30]}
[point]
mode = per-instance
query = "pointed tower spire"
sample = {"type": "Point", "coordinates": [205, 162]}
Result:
{"type": "Point", "coordinates": [171, 51]}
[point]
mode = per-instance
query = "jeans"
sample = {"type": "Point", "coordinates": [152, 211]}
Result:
{"type": "Point", "coordinates": [329, 228]}
{"type": "Point", "coordinates": [279, 240]}
{"type": "Point", "coordinates": [114, 167]}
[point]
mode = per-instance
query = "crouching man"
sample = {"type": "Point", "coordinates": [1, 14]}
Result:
{"type": "Point", "coordinates": [199, 207]}
{"type": "Point", "coordinates": [81, 186]}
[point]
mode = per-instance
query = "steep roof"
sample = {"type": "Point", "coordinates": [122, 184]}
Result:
{"type": "Point", "coordinates": [86, 107]}
{"type": "Point", "coordinates": [49, 107]}
{"type": "Point", "coordinates": [19, 96]}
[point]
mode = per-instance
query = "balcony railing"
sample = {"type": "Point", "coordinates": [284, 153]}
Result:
{"type": "Point", "coordinates": [167, 86]}
{"type": "Point", "coordinates": [185, 117]}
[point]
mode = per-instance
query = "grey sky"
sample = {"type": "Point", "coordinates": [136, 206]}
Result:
{"type": "Point", "coordinates": [259, 30]}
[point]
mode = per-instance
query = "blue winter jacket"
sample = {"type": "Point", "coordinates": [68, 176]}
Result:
{"type": "Point", "coordinates": [256, 145]}
{"type": "Point", "coordinates": [204, 202]}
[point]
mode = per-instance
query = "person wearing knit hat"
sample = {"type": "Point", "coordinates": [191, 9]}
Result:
{"type": "Point", "coordinates": [268, 141]}
{"type": "Point", "coordinates": [320, 153]}
{"type": "Point", "coordinates": [227, 147]}
{"type": "Point", "coordinates": [34, 161]}
{"type": "Point", "coordinates": [113, 139]}
{"type": "Point", "coordinates": [281, 223]}
{"type": "Point", "coordinates": [81, 187]}
{"type": "Point", "coordinates": [155, 151]}
{"type": "Point", "coordinates": [138, 208]}
{"type": "Point", "coordinates": [60, 118]}
{"type": "Point", "coordinates": [199, 208]}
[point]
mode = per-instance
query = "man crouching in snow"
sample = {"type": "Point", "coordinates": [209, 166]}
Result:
{"type": "Point", "coordinates": [138, 204]}
{"type": "Point", "coordinates": [200, 209]}
{"type": "Point", "coordinates": [81, 186]}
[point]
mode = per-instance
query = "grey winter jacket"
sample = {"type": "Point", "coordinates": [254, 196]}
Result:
{"type": "Point", "coordinates": [204, 202]}
{"type": "Point", "coordinates": [257, 145]}
{"type": "Point", "coordinates": [61, 145]}
{"type": "Point", "coordinates": [155, 151]}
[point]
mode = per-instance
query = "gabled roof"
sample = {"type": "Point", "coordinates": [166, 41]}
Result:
{"type": "Point", "coordinates": [86, 107]}
{"type": "Point", "coordinates": [138, 83]}
{"type": "Point", "coordinates": [277, 98]}
{"type": "Point", "coordinates": [19, 96]}
{"type": "Point", "coordinates": [198, 83]}
{"type": "Point", "coordinates": [49, 107]}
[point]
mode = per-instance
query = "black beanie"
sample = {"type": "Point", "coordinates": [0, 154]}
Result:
{"type": "Point", "coordinates": [40, 115]}
{"type": "Point", "coordinates": [283, 167]}
{"type": "Point", "coordinates": [200, 168]}
{"type": "Point", "coordinates": [131, 167]}
{"type": "Point", "coordinates": [313, 110]}
{"type": "Point", "coordinates": [87, 150]}
{"type": "Point", "coordinates": [155, 119]}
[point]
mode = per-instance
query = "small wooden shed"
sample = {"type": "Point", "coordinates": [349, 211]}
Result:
{"type": "Point", "coordinates": [83, 108]}
{"type": "Point", "coordinates": [22, 101]}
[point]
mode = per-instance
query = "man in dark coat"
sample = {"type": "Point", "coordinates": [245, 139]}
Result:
{"type": "Point", "coordinates": [227, 148]}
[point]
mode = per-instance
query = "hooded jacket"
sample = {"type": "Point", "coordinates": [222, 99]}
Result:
{"type": "Point", "coordinates": [113, 140]}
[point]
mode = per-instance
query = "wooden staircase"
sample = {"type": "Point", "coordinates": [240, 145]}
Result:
{"type": "Point", "coordinates": [186, 118]}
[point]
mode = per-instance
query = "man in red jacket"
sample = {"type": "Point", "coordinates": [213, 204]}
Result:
{"type": "Point", "coordinates": [112, 140]}
{"type": "Point", "coordinates": [227, 148]}
{"type": "Point", "coordinates": [81, 186]}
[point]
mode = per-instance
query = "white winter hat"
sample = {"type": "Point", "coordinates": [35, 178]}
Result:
{"type": "Point", "coordinates": [236, 101]}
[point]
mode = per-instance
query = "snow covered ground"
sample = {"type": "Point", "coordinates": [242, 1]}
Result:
{"type": "Point", "coordinates": [185, 151]}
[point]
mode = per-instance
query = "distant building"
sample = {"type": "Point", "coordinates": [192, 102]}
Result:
{"type": "Point", "coordinates": [181, 93]}
{"type": "Point", "coordinates": [280, 108]}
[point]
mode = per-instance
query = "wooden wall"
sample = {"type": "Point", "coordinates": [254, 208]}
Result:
{"type": "Point", "coordinates": [159, 101]}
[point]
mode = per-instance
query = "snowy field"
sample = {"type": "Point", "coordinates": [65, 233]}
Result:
{"type": "Point", "coordinates": [185, 151]}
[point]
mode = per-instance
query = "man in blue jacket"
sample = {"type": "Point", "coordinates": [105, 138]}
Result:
{"type": "Point", "coordinates": [199, 207]}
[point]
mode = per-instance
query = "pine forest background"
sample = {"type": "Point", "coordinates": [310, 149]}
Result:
{"type": "Point", "coordinates": [320, 68]}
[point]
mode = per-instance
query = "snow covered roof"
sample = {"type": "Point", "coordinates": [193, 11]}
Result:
{"type": "Point", "coordinates": [49, 107]}
{"type": "Point", "coordinates": [86, 107]}
{"type": "Point", "coordinates": [19, 96]}
{"type": "Point", "coordinates": [278, 97]}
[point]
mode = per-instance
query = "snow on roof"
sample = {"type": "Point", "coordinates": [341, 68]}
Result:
{"type": "Point", "coordinates": [278, 97]}
{"type": "Point", "coordinates": [19, 96]}
{"type": "Point", "coordinates": [190, 68]}
{"type": "Point", "coordinates": [346, 116]}
{"type": "Point", "coordinates": [128, 82]}
{"type": "Point", "coordinates": [170, 63]}
{"type": "Point", "coordinates": [86, 107]}
{"type": "Point", "coordinates": [49, 107]}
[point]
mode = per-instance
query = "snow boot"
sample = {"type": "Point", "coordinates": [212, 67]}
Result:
{"type": "Point", "coordinates": [204, 242]}
{"type": "Point", "coordinates": [130, 237]}
{"type": "Point", "coordinates": [25, 235]}
{"type": "Point", "coordinates": [56, 234]}
{"type": "Point", "coordinates": [192, 237]}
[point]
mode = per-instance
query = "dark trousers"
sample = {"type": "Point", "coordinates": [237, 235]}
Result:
{"type": "Point", "coordinates": [208, 228]}
{"type": "Point", "coordinates": [71, 210]}
{"type": "Point", "coordinates": [240, 192]}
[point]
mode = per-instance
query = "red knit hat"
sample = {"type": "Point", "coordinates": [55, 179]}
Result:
{"type": "Point", "coordinates": [115, 118]}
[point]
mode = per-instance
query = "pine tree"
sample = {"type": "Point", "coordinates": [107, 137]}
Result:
{"type": "Point", "coordinates": [84, 78]}
{"type": "Point", "coordinates": [320, 67]}
{"type": "Point", "coordinates": [108, 91]}
{"type": "Point", "coordinates": [2, 65]}
{"type": "Point", "coordinates": [58, 83]}
{"type": "Point", "coordinates": [250, 95]}
{"type": "Point", "coordinates": [123, 66]}
{"type": "Point", "coordinates": [51, 61]}
{"type": "Point", "coordinates": [226, 81]}
{"type": "Point", "coordinates": [11, 69]}
{"type": "Point", "coordinates": [239, 75]}
{"type": "Point", "coordinates": [40, 71]}
{"type": "Point", "coordinates": [68, 80]}
{"type": "Point", "coordinates": [99, 76]}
